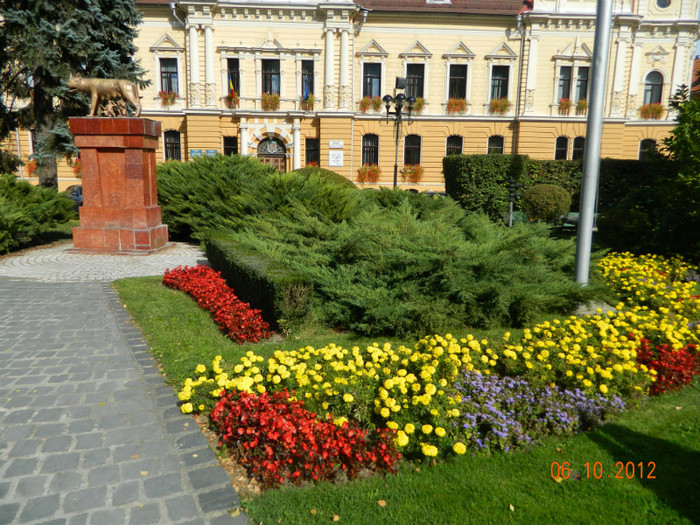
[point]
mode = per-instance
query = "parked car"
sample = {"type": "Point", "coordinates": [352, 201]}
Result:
{"type": "Point", "coordinates": [75, 193]}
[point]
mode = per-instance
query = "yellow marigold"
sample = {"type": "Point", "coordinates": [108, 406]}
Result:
{"type": "Point", "coordinates": [187, 408]}
{"type": "Point", "coordinates": [200, 369]}
{"type": "Point", "coordinates": [401, 438]}
{"type": "Point", "coordinates": [439, 431]}
{"type": "Point", "coordinates": [426, 429]}
{"type": "Point", "coordinates": [429, 450]}
{"type": "Point", "coordinates": [603, 389]}
{"type": "Point", "coordinates": [410, 428]}
{"type": "Point", "coordinates": [348, 398]}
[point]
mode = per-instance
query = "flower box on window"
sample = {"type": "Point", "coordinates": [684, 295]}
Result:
{"type": "Point", "coordinates": [499, 106]}
{"type": "Point", "coordinates": [231, 100]}
{"type": "Point", "coordinates": [412, 172]}
{"type": "Point", "coordinates": [418, 105]}
{"type": "Point", "coordinates": [565, 106]}
{"type": "Point", "coordinates": [167, 98]}
{"type": "Point", "coordinates": [651, 111]}
{"type": "Point", "coordinates": [581, 106]}
{"type": "Point", "coordinates": [270, 101]}
{"type": "Point", "coordinates": [456, 105]}
{"type": "Point", "coordinates": [308, 104]}
{"type": "Point", "coordinates": [312, 164]}
{"type": "Point", "coordinates": [368, 173]}
{"type": "Point", "coordinates": [31, 167]}
{"type": "Point", "coordinates": [367, 103]}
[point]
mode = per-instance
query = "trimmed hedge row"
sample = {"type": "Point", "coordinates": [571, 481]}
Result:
{"type": "Point", "coordinates": [284, 298]}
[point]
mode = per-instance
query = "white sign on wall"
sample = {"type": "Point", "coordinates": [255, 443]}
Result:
{"type": "Point", "coordinates": [335, 144]}
{"type": "Point", "coordinates": [335, 159]}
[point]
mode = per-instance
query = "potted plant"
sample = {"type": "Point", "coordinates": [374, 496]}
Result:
{"type": "Point", "coordinates": [581, 106]}
{"type": "Point", "coordinates": [231, 100]}
{"type": "Point", "coordinates": [376, 103]}
{"type": "Point", "coordinates": [167, 98]}
{"type": "Point", "coordinates": [365, 103]}
{"type": "Point", "coordinates": [412, 172]}
{"type": "Point", "coordinates": [312, 164]}
{"type": "Point", "coordinates": [308, 103]}
{"type": "Point", "coordinates": [368, 173]}
{"type": "Point", "coordinates": [270, 101]}
{"type": "Point", "coordinates": [418, 105]}
{"type": "Point", "coordinates": [651, 111]}
{"type": "Point", "coordinates": [565, 106]}
{"type": "Point", "coordinates": [456, 105]}
{"type": "Point", "coordinates": [499, 106]}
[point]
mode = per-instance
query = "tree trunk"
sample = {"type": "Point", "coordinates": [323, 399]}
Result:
{"type": "Point", "coordinates": [47, 169]}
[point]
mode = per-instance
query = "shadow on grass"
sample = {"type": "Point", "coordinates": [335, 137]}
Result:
{"type": "Point", "coordinates": [677, 468]}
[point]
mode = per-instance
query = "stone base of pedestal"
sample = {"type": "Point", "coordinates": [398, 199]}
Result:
{"type": "Point", "coordinates": [120, 212]}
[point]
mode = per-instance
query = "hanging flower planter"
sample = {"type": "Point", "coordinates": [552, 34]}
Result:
{"type": "Point", "coordinates": [651, 111]}
{"type": "Point", "coordinates": [369, 173]}
{"type": "Point", "coordinates": [231, 100]}
{"type": "Point", "coordinates": [308, 104]}
{"type": "Point", "coordinates": [565, 106]}
{"type": "Point", "coordinates": [167, 98]}
{"type": "Point", "coordinates": [418, 105]}
{"type": "Point", "coordinates": [581, 106]}
{"type": "Point", "coordinates": [270, 101]}
{"type": "Point", "coordinates": [412, 172]}
{"type": "Point", "coordinates": [499, 106]}
{"type": "Point", "coordinates": [456, 105]}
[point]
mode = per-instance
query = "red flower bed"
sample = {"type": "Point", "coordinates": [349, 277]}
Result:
{"type": "Point", "coordinates": [675, 368]}
{"type": "Point", "coordinates": [240, 322]}
{"type": "Point", "coordinates": [279, 440]}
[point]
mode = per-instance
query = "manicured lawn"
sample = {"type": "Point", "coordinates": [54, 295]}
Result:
{"type": "Point", "coordinates": [480, 489]}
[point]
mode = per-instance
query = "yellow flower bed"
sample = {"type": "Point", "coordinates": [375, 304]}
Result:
{"type": "Point", "coordinates": [410, 389]}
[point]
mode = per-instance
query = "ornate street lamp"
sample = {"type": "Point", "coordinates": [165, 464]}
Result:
{"type": "Point", "coordinates": [401, 103]}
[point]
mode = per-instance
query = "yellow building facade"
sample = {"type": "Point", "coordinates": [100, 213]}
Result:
{"type": "Point", "coordinates": [296, 82]}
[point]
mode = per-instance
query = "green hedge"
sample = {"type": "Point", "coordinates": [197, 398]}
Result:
{"type": "Point", "coordinates": [27, 211]}
{"type": "Point", "coordinates": [284, 298]}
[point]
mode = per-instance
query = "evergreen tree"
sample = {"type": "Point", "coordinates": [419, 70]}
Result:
{"type": "Point", "coordinates": [43, 43]}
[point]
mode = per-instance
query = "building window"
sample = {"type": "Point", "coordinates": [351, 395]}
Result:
{"type": "Point", "coordinates": [561, 148]}
{"type": "Point", "coordinates": [313, 151]}
{"type": "Point", "coordinates": [454, 145]}
{"type": "Point", "coordinates": [172, 145]}
{"type": "Point", "coordinates": [564, 82]}
{"type": "Point", "coordinates": [495, 145]}
{"type": "Point", "coordinates": [230, 145]}
{"type": "Point", "coordinates": [458, 81]}
{"type": "Point", "coordinates": [415, 78]}
{"type": "Point", "coordinates": [271, 76]}
{"type": "Point", "coordinates": [663, 4]}
{"type": "Point", "coordinates": [653, 85]}
{"type": "Point", "coordinates": [647, 148]}
{"type": "Point", "coordinates": [307, 79]}
{"type": "Point", "coordinates": [168, 75]}
{"type": "Point", "coordinates": [234, 76]}
{"type": "Point", "coordinates": [577, 152]}
{"type": "Point", "coordinates": [371, 80]}
{"type": "Point", "coordinates": [499, 81]}
{"type": "Point", "coordinates": [411, 150]}
{"type": "Point", "coordinates": [582, 83]}
{"type": "Point", "coordinates": [370, 149]}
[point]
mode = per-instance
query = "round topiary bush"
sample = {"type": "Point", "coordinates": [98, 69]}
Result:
{"type": "Point", "coordinates": [546, 202]}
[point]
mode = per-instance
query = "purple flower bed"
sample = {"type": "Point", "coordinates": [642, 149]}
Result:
{"type": "Point", "coordinates": [501, 413]}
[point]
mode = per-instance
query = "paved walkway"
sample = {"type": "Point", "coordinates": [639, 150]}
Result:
{"type": "Point", "coordinates": [89, 431]}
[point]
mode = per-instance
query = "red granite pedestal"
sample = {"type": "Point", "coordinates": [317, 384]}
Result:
{"type": "Point", "coordinates": [120, 212]}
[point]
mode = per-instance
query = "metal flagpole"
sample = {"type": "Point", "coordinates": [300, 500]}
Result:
{"type": "Point", "coordinates": [594, 129]}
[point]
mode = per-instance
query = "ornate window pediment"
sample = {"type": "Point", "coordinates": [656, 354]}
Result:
{"type": "Point", "coordinates": [372, 49]}
{"type": "Point", "coordinates": [459, 51]}
{"type": "Point", "coordinates": [502, 52]}
{"type": "Point", "coordinates": [416, 50]}
{"type": "Point", "coordinates": [575, 51]}
{"type": "Point", "coordinates": [658, 54]}
{"type": "Point", "coordinates": [166, 43]}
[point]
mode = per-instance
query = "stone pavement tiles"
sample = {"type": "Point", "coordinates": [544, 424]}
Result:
{"type": "Point", "coordinates": [89, 431]}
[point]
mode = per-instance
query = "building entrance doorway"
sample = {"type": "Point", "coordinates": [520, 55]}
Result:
{"type": "Point", "coordinates": [272, 151]}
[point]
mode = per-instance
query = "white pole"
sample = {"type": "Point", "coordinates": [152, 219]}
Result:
{"type": "Point", "coordinates": [594, 129]}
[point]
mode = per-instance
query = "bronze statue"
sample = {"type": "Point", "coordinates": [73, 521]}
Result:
{"type": "Point", "coordinates": [112, 91]}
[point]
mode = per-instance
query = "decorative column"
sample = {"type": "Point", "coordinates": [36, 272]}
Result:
{"type": "Point", "coordinates": [531, 81]}
{"type": "Point", "coordinates": [328, 71]}
{"type": "Point", "coordinates": [120, 212]}
{"type": "Point", "coordinates": [243, 126]}
{"type": "Point", "coordinates": [679, 63]}
{"type": "Point", "coordinates": [296, 148]}
{"type": "Point", "coordinates": [210, 86]}
{"type": "Point", "coordinates": [195, 90]}
{"type": "Point", "coordinates": [618, 104]}
{"type": "Point", "coordinates": [344, 71]}
{"type": "Point", "coordinates": [633, 85]}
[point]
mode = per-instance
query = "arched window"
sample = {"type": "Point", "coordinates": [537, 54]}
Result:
{"type": "Point", "coordinates": [653, 86]}
{"type": "Point", "coordinates": [411, 150]}
{"type": "Point", "coordinates": [561, 148]}
{"type": "Point", "coordinates": [454, 145]}
{"type": "Point", "coordinates": [579, 144]}
{"type": "Point", "coordinates": [172, 145]}
{"type": "Point", "coordinates": [495, 145]}
{"type": "Point", "coordinates": [370, 149]}
{"type": "Point", "coordinates": [647, 147]}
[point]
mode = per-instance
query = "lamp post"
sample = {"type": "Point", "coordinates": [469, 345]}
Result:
{"type": "Point", "coordinates": [400, 103]}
